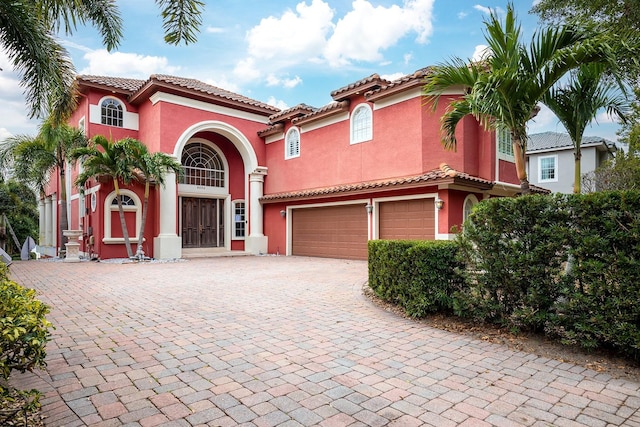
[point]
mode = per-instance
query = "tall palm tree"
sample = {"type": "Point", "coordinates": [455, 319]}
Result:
{"type": "Point", "coordinates": [106, 159]}
{"type": "Point", "coordinates": [577, 103]}
{"type": "Point", "coordinates": [151, 168]}
{"type": "Point", "coordinates": [504, 88]}
{"type": "Point", "coordinates": [35, 159]}
{"type": "Point", "coordinates": [27, 35]}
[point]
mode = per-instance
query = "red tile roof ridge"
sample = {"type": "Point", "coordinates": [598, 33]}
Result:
{"type": "Point", "coordinates": [124, 83]}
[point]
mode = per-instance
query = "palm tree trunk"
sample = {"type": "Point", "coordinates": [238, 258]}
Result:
{"type": "Point", "coordinates": [64, 223]}
{"type": "Point", "coordinates": [123, 223]}
{"type": "Point", "coordinates": [521, 170]}
{"type": "Point", "coordinates": [577, 175]}
{"type": "Point", "coordinates": [139, 251]}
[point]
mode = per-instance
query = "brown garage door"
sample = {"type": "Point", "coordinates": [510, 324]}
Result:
{"type": "Point", "coordinates": [332, 232]}
{"type": "Point", "coordinates": [407, 219]}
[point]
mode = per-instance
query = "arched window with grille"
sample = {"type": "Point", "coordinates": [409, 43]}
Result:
{"type": "Point", "coordinates": [111, 112]}
{"type": "Point", "coordinates": [132, 207]}
{"type": "Point", "coordinates": [203, 166]}
{"type": "Point", "coordinates": [292, 143]}
{"type": "Point", "coordinates": [361, 124]}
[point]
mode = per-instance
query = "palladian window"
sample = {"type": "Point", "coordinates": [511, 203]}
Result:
{"type": "Point", "coordinates": [202, 166]}
{"type": "Point", "coordinates": [111, 113]}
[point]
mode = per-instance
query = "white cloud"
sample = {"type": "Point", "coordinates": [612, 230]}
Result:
{"type": "Point", "coordinates": [605, 117]}
{"type": "Point", "coordinates": [223, 83]}
{"type": "Point", "coordinates": [299, 33]}
{"type": "Point", "coordinates": [392, 77]}
{"type": "Point", "coordinates": [278, 103]}
{"type": "Point", "coordinates": [366, 30]}
{"type": "Point", "coordinates": [488, 10]}
{"type": "Point", "coordinates": [481, 52]}
{"type": "Point", "coordinates": [215, 30]}
{"type": "Point", "coordinates": [544, 121]}
{"type": "Point", "coordinates": [407, 58]}
{"type": "Point", "coordinates": [4, 134]}
{"type": "Point", "coordinates": [14, 119]}
{"type": "Point", "coordinates": [246, 70]}
{"type": "Point", "coordinates": [104, 63]}
{"type": "Point", "coordinates": [289, 83]}
{"type": "Point", "coordinates": [462, 15]}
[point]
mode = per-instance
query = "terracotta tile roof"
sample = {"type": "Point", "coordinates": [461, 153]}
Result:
{"type": "Point", "coordinates": [320, 113]}
{"type": "Point", "coordinates": [198, 86]}
{"type": "Point", "coordinates": [409, 81]}
{"type": "Point", "coordinates": [435, 176]}
{"type": "Point", "coordinates": [369, 83]}
{"type": "Point", "coordinates": [123, 84]}
{"type": "Point", "coordinates": [291, 113]}
{"type": "Point", "coordinates": [271, 130]}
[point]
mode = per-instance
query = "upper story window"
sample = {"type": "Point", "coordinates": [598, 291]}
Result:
{"type": "Point", "coordinates": [361, 124]}
{"type": "Point", "coordinates": [505, 143]}
{"type": "Point", "coordinates": [202, 166]}
{"type": "Point", "coordinates": [111, 112]}
{"type": "Point", "coordinates": [292, 143]}
{"type": "Point", "coordinates": [548, 168]}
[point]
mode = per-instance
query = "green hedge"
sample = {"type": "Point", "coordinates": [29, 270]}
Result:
{"type": "Point", "coordinates": [24, 332]}
{"type": "Point", "coordinates": [419, 276]}
{"type": "Point", "coordinates": [564, 265]}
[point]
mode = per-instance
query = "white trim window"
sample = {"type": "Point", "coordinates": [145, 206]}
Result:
{"type": "Point", "coordinates": [361, 124]}
{"type": "Point", "coordinates": [111, 112]}
{"type": "Point", "coordinates": [292, 143]}
{"type": "Point", "coordinates": [239, 219]}
{"type": "Point", "coordinates": [505, 143]}
{"type": "Point", "coordinates": [548, 168]}
{"type": "Point", "coordinates": [130, 204]}
{"type": "Point", "coordinates": [467, 207]}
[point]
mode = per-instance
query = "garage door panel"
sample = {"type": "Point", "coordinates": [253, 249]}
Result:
{"type": "Point", "coordinates": [407, 220]}
{"type": "Point", "coordinates": [332, 231]}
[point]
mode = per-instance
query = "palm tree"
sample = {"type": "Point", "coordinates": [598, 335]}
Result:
{"type": "Point", "coordinates": [152, 168]}
{"type": "Point", "coordinates": [34, 160]}
{"type": "Point", "coordinates": [504, 88]}
{"type": "Point", "coordinates": [577, 103]}
{"type": "Point", "coordinates": [106, 159]}
{"type": "Point", "coordinates": [27, 35]}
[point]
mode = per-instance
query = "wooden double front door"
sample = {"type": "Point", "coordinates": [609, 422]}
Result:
{"type": "Point", "coordinates": [202, 223]}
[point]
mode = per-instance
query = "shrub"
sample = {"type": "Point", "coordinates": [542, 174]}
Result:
{"type": "Point", "coordinates": [420, 276]}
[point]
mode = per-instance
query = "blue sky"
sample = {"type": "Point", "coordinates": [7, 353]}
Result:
{"type": "Point", "coordinates": [287, 52]}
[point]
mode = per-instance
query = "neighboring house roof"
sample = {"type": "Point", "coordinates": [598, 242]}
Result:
{"type": "Point", "coordinates": [138, 90]}
{"type": "Point", "coordinates": [551, 141]}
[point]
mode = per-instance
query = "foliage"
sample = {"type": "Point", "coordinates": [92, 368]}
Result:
{"type": "Point", "coordinates": [24, 330]}
{"type": "Point", "coordinates": [513, 249]}
{"type": "Point", "coordinates": [18, 202]}
{"type": "Point", "coordinates": [621, 173]}
{"type": "Point", "coordinates": [505, 87]}
{"type": "Point", "coordinates": [619, 18]}
{"type": "Point", "coordinates": [103, 158]}
{"type": "Point", "coordinates": [577, 103]}
{"type": "Point", "coordinates": [27, 34]}
{"type": "Point", "coordinates": [420, 276]}
{"type": "Point", "coordinates": [565, 265]}
{"type": "Point", "coordinates": [34, 159]}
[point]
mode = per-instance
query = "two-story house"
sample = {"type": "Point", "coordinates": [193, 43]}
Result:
{"type": "Point", "coordinates": [551, 161]}
{"type": "Point", "coordinates": [303, 181]}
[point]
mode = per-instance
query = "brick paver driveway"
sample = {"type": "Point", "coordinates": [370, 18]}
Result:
{"type": "Point", "coordinates": [283, 341]}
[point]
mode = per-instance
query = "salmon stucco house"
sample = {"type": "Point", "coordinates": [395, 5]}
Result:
{"type": "Point", "coordinates": [302, 181]}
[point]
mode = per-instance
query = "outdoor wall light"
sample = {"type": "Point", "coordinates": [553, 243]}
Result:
{"type": "Point", "coordinates": [439, 203]}
{"type": "Point", "coordinates": [283, 213]}
{"type": "Point", "coordinates": [369, 208]}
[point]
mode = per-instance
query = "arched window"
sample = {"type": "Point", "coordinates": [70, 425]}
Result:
{"type": "Point", "coordinates": [469, 202]}
{"type": "Point", "coordinates": [132, 208]}
{"type": "Point", "coordinates": [111, 112]}
{"type": "Point", "coordinates": [202, 165]}
{"type": "Point", "coordinates": [361, 124]}
{"type": "Point", "coordinates": [292, 143]}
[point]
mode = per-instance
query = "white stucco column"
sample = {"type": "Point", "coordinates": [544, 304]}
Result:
{"type": "Point", "coordinates": [256, 242]}
{"type": "Point", "coordinates": [167, 245]}
{"type": "Point", "coordinates": [55, 226]}
{"type": "Point", "coordinates": [42, 232]}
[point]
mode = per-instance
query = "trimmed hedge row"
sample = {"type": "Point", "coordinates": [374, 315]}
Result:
{"type": "Point", "coordinates": [564, 265]}
{"type": "Point", "coordinates": [420, 276]}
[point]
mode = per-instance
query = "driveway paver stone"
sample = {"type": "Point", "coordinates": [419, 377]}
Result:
{"type": "Point", "coordinates": [282, 341]}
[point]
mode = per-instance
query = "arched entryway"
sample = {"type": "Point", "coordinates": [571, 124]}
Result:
{"type": "Point", "coordinates": [204, 191]}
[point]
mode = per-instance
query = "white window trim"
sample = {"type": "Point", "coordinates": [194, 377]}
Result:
{"type": "Point", "coordinates": [474, 201]}
{"type": "Point", "coordinates": [200, 190]}
{"type": "Point", "coordinates": [351, 122]}
{"type": "Point", "coordinates": [501, 155]}
{"type": "Point", "coordinates": [233, 219]}
{"type": "Point", "coordinates": [129, 120]}
{"type": "Point", "coordinates": [108, 208]}
{"type": "Point", "coordinates": [286, 143]}
{"type": "Point", "coordinates": [555, 167]}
